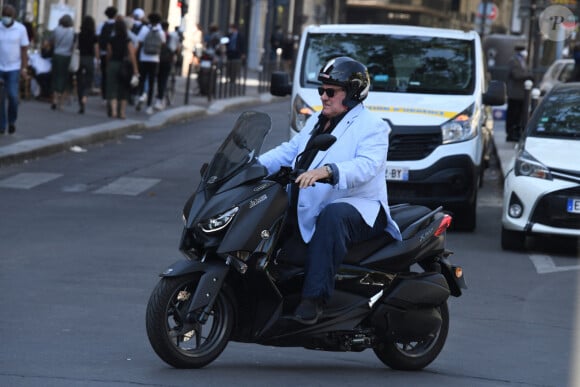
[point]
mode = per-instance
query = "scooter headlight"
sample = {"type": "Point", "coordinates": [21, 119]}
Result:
{"type": "Point", "coordinates": [218, 222]}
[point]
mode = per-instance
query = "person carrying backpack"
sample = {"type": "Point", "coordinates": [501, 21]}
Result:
{"type": "Point", "coordinates": [104, 33]}
{"type": "Point", "coordinates": [138, 15]}
{"type": "Point", "coordinates": [151, 39]}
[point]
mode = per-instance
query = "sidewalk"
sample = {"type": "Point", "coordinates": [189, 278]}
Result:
{"type": "Point", "coordinates": [505, 151]}
{"type": "Point", "coordinates": [41, 131]}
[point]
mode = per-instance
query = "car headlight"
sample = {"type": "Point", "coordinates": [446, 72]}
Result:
{"type": "Point", "coordinates": [527, 165]}
{"type": "Point", "coordinates": [300, 113]}
{"type": "Point", "coordinates": [218, 222]}
{"type": "Point", "coordinates": [462, 127]}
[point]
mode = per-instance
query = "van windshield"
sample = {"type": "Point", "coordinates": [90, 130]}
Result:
{"type": "Point", "coordinates": [397, 63]}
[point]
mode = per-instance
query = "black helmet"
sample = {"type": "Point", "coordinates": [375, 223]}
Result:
{"type": "Point", "coordinates": [349, 74]}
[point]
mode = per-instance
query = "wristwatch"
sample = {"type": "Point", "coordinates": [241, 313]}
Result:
{"type": "Point", "coordinates": [328, 170]}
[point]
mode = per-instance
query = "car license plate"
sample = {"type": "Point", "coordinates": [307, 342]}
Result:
{"type": "Point", "coordinates": [398, 174]}
{"type": "Point", "coordinates": [574, 206]}
{"type": "Point", "coordinates": [205, 64]}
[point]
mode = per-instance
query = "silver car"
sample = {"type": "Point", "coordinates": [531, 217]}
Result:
{"type": "Point", "coordinates": [558, 72]}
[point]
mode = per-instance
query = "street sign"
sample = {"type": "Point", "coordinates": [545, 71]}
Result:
{"type": "Point", "coordinates": [489, 9]}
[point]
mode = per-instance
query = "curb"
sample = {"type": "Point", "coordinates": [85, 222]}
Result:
{"type": "Point", "coordinates": [34, 148]}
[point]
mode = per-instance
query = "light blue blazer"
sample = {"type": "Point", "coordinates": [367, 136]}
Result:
{"type": "Point", "coordinates": [360, 155]}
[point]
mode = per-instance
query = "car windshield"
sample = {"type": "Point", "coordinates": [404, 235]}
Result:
{"type": "Point", "coordinates": [558, 115]}
{"type": "Point", "coordinates": [241, 146]}
{"type": "Point", "coordinates": [397, 63]}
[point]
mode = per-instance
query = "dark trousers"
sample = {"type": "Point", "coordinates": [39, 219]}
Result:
{"type": "Point", "coordinates": [513, 118]}
{"type": "Point", "coordinates": [148, 71]}
{"type": "Point", "coordinates": [103, 76]}
{"type": "Point", "coordinates": [339, 225]}
{"type": "Point", "coordinates": [85, 77]}
{"type": "Point", "coordinates": [162, 78]}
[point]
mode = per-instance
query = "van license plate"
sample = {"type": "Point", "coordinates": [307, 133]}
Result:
{"type": "Point", "coordinates": [397, 174]}
{"type": "Point", "coordinates": [574, 206]}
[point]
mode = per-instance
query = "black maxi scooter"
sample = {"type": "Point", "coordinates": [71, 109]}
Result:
{"type": "Point", "coordinates": [242, 278]}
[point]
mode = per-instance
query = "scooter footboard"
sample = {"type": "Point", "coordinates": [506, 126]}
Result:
{"type": "Point", "coordinates": [409, 308]}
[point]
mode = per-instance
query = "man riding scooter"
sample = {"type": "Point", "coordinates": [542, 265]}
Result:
{"type": "Point", "coordinates": [354, 206]}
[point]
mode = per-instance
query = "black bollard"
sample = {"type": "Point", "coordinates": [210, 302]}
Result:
{"type": "Point", "coordinates": [186, 100]}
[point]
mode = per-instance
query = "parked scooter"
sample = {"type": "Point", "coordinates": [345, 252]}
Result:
{"type": "Point", "coordinates": [242, 278]}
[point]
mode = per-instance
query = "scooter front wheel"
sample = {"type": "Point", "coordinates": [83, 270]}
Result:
{"type": "Point", "coordinates": [415, 355]}
{"type": "Point", "coordinates": [176, 341]}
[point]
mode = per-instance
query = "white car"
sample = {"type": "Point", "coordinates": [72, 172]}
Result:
{"type": "Point", "coordinates": [542, 185]}
{"type": "Point", "coordinates": [558, 72]}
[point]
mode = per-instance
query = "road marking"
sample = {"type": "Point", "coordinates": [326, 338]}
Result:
{"type": "Point", "coordinates": [545, 264]}
{"type": "Point", "coordinates": [132, 186]}
{"type": "Point", "coordinates": [28, 180]}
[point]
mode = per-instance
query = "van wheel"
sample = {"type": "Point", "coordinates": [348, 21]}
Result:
{"type": "Point", "coordinates": [512, 240]}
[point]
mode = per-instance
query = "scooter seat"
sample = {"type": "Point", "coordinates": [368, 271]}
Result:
{"type": "Point", "coordinates": [404, 215]}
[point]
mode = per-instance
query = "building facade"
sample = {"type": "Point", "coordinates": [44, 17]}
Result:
{"type": "Point", "coordinates": [257, 19]}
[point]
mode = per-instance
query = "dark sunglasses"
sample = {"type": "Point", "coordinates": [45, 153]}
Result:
{"type": "Point", "coordinates": [329, 92]}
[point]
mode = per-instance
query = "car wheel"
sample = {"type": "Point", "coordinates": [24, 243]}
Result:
{"type": "Point", "coordinates": [512, 240]}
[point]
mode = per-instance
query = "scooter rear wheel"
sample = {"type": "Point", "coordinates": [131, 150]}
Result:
{"type": "Point", "coordinates": [179, 343]}
{"type": "Point", "coordinates": [416, 355]}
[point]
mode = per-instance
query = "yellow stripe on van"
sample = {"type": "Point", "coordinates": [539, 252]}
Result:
{"type": "Point", "coordinates": [410, 110]}
{"type": "Point", "coordinates": [406, 110]}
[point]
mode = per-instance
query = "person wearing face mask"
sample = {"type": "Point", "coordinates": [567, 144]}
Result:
{"type": "Point", "coordinates": [518, 73]}
{"type": "Point", "coordinates": [13, 65]}
{"type": "Point", "coordinates": [353, 206]}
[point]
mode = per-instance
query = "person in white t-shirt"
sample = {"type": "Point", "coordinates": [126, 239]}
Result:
{"type": "Point", "coordinates": [149, 60]}
{"type": "Point", "coordinates": [13, 64]}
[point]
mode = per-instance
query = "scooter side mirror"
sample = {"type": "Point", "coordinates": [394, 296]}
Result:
{"type": "Point", "coordinates": [322, 141]}
{"type": "Point", "coordinates": [203, 169]}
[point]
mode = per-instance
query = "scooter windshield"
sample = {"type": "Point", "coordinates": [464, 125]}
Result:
{"type": "Point", "coordinates": [241, 147]}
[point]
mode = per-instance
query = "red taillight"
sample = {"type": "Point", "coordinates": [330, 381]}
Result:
{"type": "Point", "coordinates": [444, 225]}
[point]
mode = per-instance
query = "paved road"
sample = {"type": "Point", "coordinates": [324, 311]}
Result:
{"type": "Point", "coordinates": [83, 235]}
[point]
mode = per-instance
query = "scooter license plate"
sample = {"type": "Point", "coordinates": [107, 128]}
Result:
{"type": "Point", "coordinates": [574, 206]}
{"type": "Point", "coordinates": [397, 174]}
{"type": "Point", "coordinates": [205, 64]}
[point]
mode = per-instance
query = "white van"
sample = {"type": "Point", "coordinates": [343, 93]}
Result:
{"type": "Point", "coordinates": [429, 84]}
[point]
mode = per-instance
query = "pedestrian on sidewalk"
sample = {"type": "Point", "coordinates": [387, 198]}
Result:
{"type": "Point", "coordinates": [89, 50]}
{"type": "Point", "coordinates": [151, 38]}
{"type": "Point", "coordinates": [518, 73]}
{"type": "Point", "coordinates": [120, 53]}
{"type": "Point", "coordinates": [104, 33]}
{"type": "Point", "coordinates": [62, 40]}
{"type": "Point", "coordinates": [236, 55]}
{"type": "Point", "coordinates": [136, 22]}
{"type": "Point", "coordinates": [166, 61]}
{"type": "Point", "coordinates": [13, 65]}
